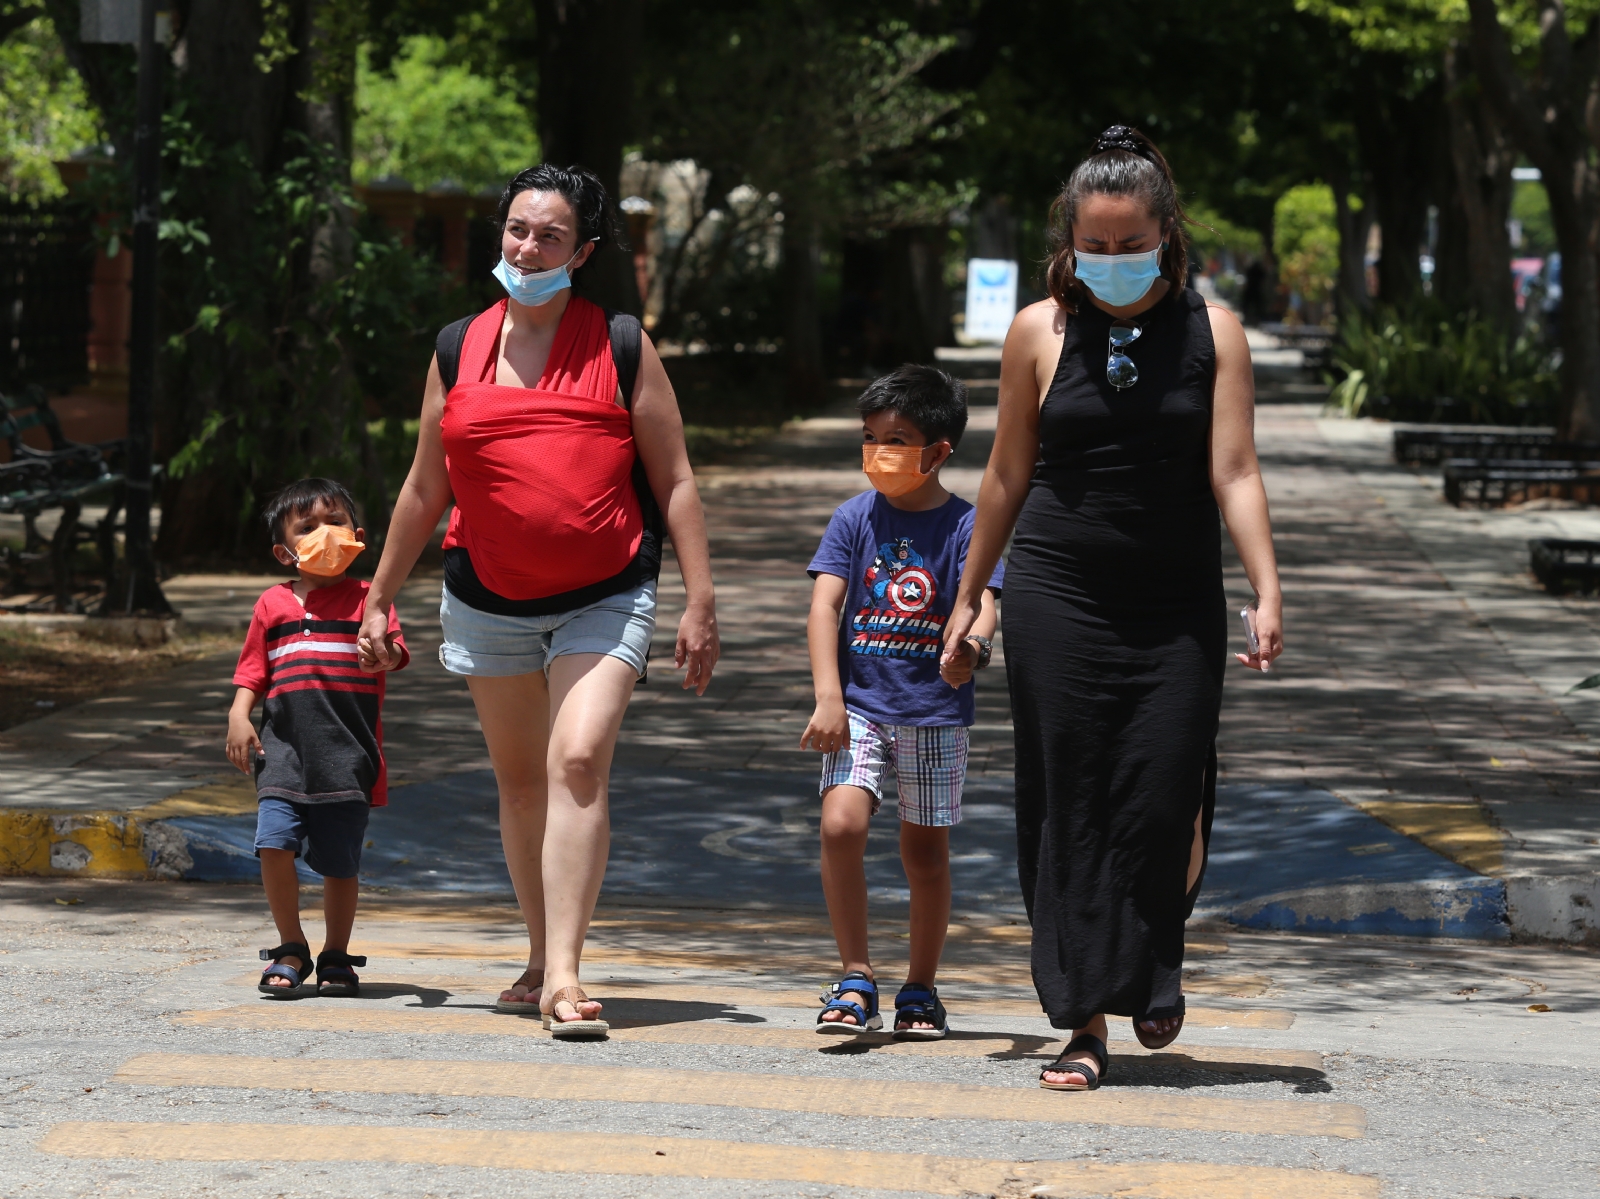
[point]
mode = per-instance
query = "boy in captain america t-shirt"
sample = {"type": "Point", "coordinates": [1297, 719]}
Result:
{"type": "Point", "coordinates": [318, 762]}
{"type": "Point", "coordinates": [889, 565]}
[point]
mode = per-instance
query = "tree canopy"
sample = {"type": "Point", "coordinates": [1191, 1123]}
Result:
{"type": "Point", "coordinates": [828, 167]}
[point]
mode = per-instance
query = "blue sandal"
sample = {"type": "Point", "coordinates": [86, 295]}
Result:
{"type": "Point", "coordinates": [917, 1003]}
{"type": "Point", "coordinates": [335, 978]}
{"type": "Point", "coordinates": [278, 970]}
{"type": "Point", "coordinates": [866, 1020]}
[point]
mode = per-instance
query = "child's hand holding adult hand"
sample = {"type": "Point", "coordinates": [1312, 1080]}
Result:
{"type": "Point", "coordinates": [956, 651]}
{"type": "Point", "coordinates": [243, 744]}
{"type": "Point", "coordinates": [956, 669]}
{"type": "Point", "coordinates": [374, 645]}
{"type": "Point", "coordinates": [829, 729]}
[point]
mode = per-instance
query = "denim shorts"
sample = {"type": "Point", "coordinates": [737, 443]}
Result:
{"type": "Point", "coordinates": [490, 646]}
{"type": "Point", "coordinates": [926, 765]}
{"type": "Point", "coordinates": [327, 835]}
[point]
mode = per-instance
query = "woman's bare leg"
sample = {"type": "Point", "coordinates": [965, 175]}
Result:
{"type": "Point", "coordinates": [588, 695]}
{"type": "Point", "coordinates": [1197, 852]}
{"type": "Point", "coordinates": [515, 715]}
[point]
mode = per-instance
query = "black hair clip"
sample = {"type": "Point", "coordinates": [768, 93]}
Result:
{"type": "Point", "coordinates": [1118, 137]}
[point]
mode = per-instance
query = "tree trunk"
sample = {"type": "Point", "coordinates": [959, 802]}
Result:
{"type": "Point", "coordinates": [588, 53]}
{"type": "Point", "coordinates": [1396, 132]}
{"type": "Point", "coordinates": [1350, 296]}
{"type": "Point", "coordinates": [802, 324]}
{"type": "Point", "coordinates": [925, 250]}
{"type": "Point", "coordinates": [1481, 156]}
{"type": "Point", "coordinates": [1547, 117]}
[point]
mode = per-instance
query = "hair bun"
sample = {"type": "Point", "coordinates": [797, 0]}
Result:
{"type": "Point", "coordinates": [1118, 137]}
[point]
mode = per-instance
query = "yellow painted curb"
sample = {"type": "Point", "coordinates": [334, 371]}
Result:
{"type": "Point", "coordinates": [1463, 832]}
{"type": "Point", "coordinates": [44, 844]}
{"type": "Point", "coordinates": [51, 843]}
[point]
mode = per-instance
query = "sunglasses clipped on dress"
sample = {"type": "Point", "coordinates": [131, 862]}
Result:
{"type": "Point", "coordinates": [1121, 371]}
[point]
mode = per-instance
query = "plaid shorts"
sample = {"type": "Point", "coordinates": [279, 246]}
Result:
{"type": "Point", "coordinates": [928, 764]}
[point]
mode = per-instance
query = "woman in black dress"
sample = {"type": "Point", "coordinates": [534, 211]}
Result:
{"type": "Point", "coordinates": [1126, 421]}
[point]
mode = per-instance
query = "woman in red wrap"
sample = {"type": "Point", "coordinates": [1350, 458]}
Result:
{"type": "Point", "coordinates": [563, 472]}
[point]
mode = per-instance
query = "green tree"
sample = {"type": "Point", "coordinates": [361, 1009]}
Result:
{"type": "Point", "coordinates": [1541, 73]}
{"type": "Point", "coordinates": [1306, 241]}
{"type": "Point", "coordinates": [823, 106]}
{"type": "Point", "coordinates": [45, 113]}
{"type": "Point", "coordinates": [430, 119]}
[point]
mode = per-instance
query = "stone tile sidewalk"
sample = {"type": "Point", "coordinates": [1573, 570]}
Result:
{"type": "Point", "coordinates": [1424, 680]}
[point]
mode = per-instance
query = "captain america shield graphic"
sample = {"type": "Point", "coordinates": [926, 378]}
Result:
{"type": "Point", "coordinates": [911, 590]}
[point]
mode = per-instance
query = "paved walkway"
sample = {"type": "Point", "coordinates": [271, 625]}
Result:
{"type": "Point", "coordinates": [1424, 684]}
{"type": "Point", "coordinates": [140, 1061]}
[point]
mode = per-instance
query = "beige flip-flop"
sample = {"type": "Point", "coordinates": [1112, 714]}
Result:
{"type": "Point", "coordinates": [533, 980]}
{"type": "Point", "coordinates": [572, 1028]}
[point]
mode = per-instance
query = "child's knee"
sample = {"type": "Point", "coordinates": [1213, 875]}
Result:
{"type": "Point", "coordinates": [846, 813]}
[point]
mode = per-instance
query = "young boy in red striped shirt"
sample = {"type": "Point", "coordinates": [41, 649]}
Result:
{"type": "Point", "coordinates": [318, 761]}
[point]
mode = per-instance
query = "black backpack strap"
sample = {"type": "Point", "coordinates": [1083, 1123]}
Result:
{"type": "Point", "coordinates": [627, 336]}
{"type": "Point", "coordinates": [447, 347]}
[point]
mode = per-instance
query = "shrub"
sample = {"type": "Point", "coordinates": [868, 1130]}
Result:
{"type": "Point", "coordinates": [1425, 364]}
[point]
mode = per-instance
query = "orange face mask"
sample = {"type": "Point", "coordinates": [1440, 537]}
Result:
{"type": "Point", "coordinates": [328, 550]}
{"type": "Point", "coordinates": [894, 469]}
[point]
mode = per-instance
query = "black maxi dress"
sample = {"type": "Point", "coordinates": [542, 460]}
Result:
{"type": "Point", "coordinates": [1116, 636]}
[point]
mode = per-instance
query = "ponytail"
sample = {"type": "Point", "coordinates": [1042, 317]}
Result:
{"type": "Point", "coordinates": [1124, 162]}
{"type": "Point", "coordinates": [591, 203]}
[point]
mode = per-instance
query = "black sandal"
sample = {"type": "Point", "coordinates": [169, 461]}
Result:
{"type": "Point", "coordinates": [297, 978]}
{"type": "Point", "coordinates": [1090, 1077]}
{"type": "Point", "coordinates": [1153, 1040]}
{"type": "Point", "coordinates": [915, 1003]}
{"type": "Point", "coordinates": [335, 979]}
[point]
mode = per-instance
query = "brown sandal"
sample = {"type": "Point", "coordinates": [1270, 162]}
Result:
{"type": "Point", "coordinates": [577, 1027]}
{"type": "Point", "coordinates": [1156, 1040]}
{"type": "Point", "coordinates": [529, 1004]}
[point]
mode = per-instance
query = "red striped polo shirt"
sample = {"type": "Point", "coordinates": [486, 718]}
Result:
{"type": "Point", "coordinates": [322, 730]}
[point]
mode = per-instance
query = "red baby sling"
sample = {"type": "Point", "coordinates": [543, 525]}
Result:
{"type": "Point", "coordinates": [545, 501]}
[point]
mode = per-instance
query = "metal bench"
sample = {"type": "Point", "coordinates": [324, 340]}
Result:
{"type": "Point", "coordinates": [61, 478]}
{"type": "Point", "coordinates": [1429, 446]}
{"type": "Point", "coordinates": [1315, 342]}
{"type": "Point", "coordinates": [1496, 482]}
{"type": "Point", "coordinates": [1565, 566]}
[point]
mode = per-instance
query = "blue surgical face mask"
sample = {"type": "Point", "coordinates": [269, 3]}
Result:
{"type": "Point", "coordinates": [1118, 280]}
{"type": "Point", "coordinates": [539, 287]}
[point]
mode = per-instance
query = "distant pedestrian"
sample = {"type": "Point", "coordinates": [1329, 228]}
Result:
{"type": "Point", "coordinates": [889, 564]}
{"type": "Point", "coordinates": [1126, 420]}
{"type": "Point", "coordinates": [552, 427]}
{"type": "Point", "coordinates": [318, 761]}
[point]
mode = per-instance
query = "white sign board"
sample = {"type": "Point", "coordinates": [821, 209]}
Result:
{"type": "Point", "coordinates": [991, 298]}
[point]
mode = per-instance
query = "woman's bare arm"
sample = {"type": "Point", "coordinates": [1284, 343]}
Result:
{"type": "Point", "coordinates": [422, 501]}
{"type": "Point", "coordinates": [1033, 342]}
{"type": "Point", "coordinates": [658, 434]}
{"type": "Point", "coordinates": [1236, 481]}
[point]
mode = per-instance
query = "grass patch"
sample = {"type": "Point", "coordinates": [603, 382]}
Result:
{"type": "Point", "coordinates": [45, 672]}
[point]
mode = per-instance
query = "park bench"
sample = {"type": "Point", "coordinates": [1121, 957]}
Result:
{"type": "Point", "coordinates": [1315, 342]}
{"type": "Point", "coordinates": [59, 478]}
{"type": "Point", "coordinates": [1429, 446]}
{"type": "Point", "coordinates": [1496, 482]}
{"type": "Point", "coordinates": [1565, 566]}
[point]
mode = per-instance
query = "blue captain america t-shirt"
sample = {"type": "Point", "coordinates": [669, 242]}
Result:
{"type": "Point", "coordinates": [901, 571]}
